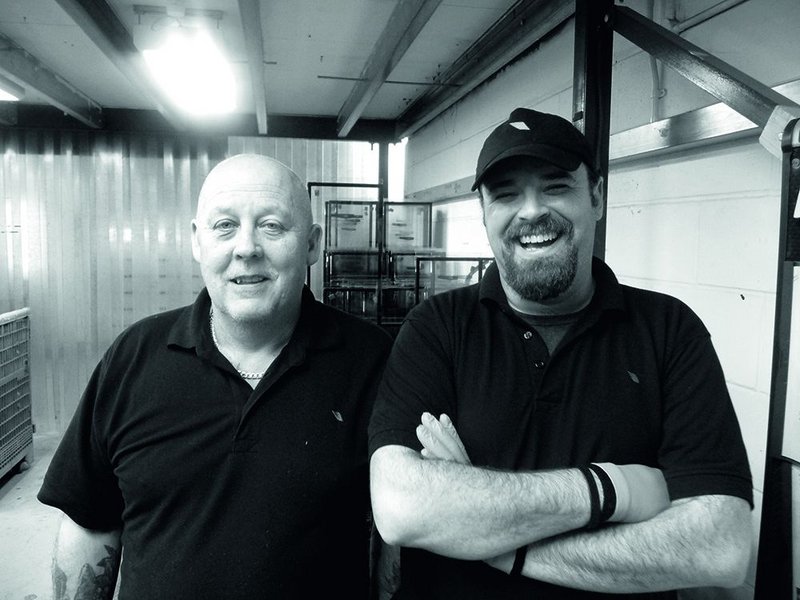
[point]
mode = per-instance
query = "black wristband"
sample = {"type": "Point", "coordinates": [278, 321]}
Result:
{"type": "Point", "coordinates": [519, 561]}
{"type": "Point", "coordinates": [594, 499]}
{"type": "Point", "coordinates": [609, 493]}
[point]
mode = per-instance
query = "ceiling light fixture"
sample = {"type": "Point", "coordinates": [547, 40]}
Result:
{"type": "Point", "coordinates": [184, 51]}
{"type": "Point", "coordinates": [191, 68]}
{"type": "Point", "coordinates": [10, 91]}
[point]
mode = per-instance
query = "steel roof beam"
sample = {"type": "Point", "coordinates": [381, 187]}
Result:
{"type": "Point", "coordinates": [738, 90]}
{"type": "Point", "coordinates": [23, 68]}
{"type": "Point", "coordinates": [250, 12]}
{"type": "Point", "coordinates": [100, 23]}
{"type": "Point", "coordinates": [403, 27]}
{"type": "Point", "coordinates": [524, 24]}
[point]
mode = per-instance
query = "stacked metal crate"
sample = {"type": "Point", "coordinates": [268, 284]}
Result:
{"type": "Point", "coordinates": [16, 426]}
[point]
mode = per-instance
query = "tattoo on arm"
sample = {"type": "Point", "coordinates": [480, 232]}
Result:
{"type": "Point", "coordinates": [91, 585]}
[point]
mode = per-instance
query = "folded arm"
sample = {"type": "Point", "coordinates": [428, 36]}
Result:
{"type": "Point", "coordinates": [467, 512]}
{"type": "Point", "coordinates": [85, 562]}
{"type": "Point", "coordinates": [701, 541]}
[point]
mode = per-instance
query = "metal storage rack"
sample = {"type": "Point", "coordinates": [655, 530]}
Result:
{"type": "Point", "coordinates": [436, 274]}
{"type": "Point", "coordinates": [16, 425]}
{"type": "Point", "coordinates": [369, 255]}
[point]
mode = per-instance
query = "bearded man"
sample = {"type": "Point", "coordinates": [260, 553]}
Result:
{"type": "Point", "coordinates": [549, 432]}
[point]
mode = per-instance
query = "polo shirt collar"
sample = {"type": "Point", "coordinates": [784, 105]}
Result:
{"type": "Point", "coordinates": [607, 295]}
{"type": "Point", "coordinates": [313, 331]}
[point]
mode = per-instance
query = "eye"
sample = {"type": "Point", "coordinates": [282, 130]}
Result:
{"type": "Point", "coordinates": [224, 226]}
{"type": "Point", "coordinates": [271, 227]}
{"type": "Point", "coordinates": [504, 195]}
{"type": "Point", "coordinates": [557, 187]}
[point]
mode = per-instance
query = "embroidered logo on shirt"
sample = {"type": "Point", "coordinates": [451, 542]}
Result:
{"type": "Point", "coordinates": [634, 377]}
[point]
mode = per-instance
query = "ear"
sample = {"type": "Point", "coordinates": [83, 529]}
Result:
{"type": "Point", "coordinates": [195, 243]}
{"type": "Point", "coordinates": [598, 200]}
{"type": "Point", "coordinates": [314, 238]}
{"type": "Point", "coordinates": [480, 203]}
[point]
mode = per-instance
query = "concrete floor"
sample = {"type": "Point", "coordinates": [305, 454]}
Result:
{"type": "Point", "coordinates": [27, 528]}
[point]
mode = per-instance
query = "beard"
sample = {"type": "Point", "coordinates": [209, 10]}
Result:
{"type": "Point", "coordinates": [543, 278]}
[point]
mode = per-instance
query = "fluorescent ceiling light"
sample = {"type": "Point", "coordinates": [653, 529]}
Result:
{"type": "Point", "coordinates": [10, 91]}
{"type": "Point", "coordinates": [191, 68]}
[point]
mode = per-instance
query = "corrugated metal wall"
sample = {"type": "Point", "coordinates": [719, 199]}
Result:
{"type": "Point", "coordinates": [95, 234]}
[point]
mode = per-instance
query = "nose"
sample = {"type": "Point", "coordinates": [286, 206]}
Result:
{"type": "Point", "coordinates": [533, 206]}
{"type": "Point", "coordinates": [248, 244]}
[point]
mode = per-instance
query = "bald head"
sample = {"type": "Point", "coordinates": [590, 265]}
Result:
{"type": "Point", "coordinates": [246, 174]}
{"type": "Point", "coordinates": [254, 240]}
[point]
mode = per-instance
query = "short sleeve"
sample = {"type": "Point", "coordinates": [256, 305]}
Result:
{"type": "Point", "coordinates": [80, 480]}
{"type": "Point", "coordinates": [418, 378]}
{"type": "Point", "coordinates": [702, 451]}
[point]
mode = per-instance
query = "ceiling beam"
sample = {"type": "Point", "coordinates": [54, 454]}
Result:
{"type": "Point", "coordinates": [23, 68]}
{"type": "Point", "coordinates": [403, 27]}
{"type": "Point", "coordinates": [100, 23]}
{"type": "Point", "coordinates": [41, 116]}
{"type": "Point", "coordinates": [522, 26]}
{"type": "Point", "coordinates": [250, 12]}
{"type": "Point", "coordinates": [738, 90]}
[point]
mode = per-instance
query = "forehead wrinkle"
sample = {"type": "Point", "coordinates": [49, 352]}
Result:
{"type": "Point", "coordinates": [275, 182]}
{"type": "Point", "coordinates": [272, 200]}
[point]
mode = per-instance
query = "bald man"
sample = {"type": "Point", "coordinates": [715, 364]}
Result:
{"type": "Point", "coordinates": [222, 446]}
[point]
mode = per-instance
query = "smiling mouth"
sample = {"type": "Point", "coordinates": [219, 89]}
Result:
{"type": "Point", "coordinates": [542, 240]}
{"type": "Point", "coordinates": [249, 279]}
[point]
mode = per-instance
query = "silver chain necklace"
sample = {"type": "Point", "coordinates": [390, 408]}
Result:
{"type": "Point", "coordinates": [243, 374]}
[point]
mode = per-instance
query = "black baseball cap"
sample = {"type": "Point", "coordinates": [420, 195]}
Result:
{"type": "Point", "coordinates": [528, 132]}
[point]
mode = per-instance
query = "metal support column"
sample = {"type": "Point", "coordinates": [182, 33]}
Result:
{"type": "Point", "coordinates": [774, 570]}
{"type": "Point", "coordinates": [380, 222]}
{"type": "Point", "coordinates": [591, 89]}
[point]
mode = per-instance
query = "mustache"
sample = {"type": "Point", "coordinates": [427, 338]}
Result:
{"type": "Point", "coordinates": [545, 225]}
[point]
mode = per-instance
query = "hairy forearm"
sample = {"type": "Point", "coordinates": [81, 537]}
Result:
{"type": "Point", "coordinates": [697, 542]}
{"type": "Point", "coordinates": [85, 563]}
{"type": "Point", "coordinates": [467, 512]}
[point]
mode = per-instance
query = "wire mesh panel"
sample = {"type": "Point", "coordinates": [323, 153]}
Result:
{"type": "Point", "coordinates": [16, 426]}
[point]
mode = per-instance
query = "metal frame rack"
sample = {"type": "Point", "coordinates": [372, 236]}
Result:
{"type": "Point", "coordinates": [427, 274]}
{"type": "Point", "coordinates": [367, 246]}
{"type": "Point", "coordinates": [16, 425]}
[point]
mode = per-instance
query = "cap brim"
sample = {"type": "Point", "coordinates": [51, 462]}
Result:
{"type": "Point", "coordinates": [550, 154]}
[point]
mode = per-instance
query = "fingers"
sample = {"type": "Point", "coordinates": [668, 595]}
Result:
{"type": "Point", "coordinates": [432, 447]}
{"type": "Point", "coordinates": [440, 439]}
{"type": "Point", "coordinates": [450, 429]}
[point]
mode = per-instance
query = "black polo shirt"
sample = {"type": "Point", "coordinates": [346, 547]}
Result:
{"type": "Point", "coordinates": [634, 380]}
{"type": "Point", "coordinates": [223, 491]}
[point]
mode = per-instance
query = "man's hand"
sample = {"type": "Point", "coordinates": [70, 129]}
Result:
{"type": "Point", "coordinates": [440, 441]}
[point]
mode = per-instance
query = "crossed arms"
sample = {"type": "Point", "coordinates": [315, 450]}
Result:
{"type": "Point", "coordinates": [436, 500]}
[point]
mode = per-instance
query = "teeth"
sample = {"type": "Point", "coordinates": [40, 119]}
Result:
{"type": "Point", "coordinates": [248, 279]}
{"type": "Point", "coordinates": [538, 239]}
